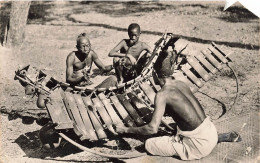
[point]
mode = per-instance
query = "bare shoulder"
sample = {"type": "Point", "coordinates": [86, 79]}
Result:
{"type": "Point", "coordinates": [122, 42]}
{"type": "Point", "coordinates": [162, 92]}
{"type": "Point", "coordinates": [171, 87]}
{"type": "Point", "coordinates": [146, 47]}
{"type": "Point", "coordinates": [144, 44]}
{"type": "Point", "coordinates": [92, 52]}
{"type": "Point", "coordinates": [93, 55]}
{"type": "Point", "coordinates": [178, 84]}
{"type": "Point", "coordinates": [71, 56]}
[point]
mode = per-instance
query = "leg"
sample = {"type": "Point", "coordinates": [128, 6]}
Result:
{"type": "Point", "coordinates": [161, 146]}
{"type": "Point", "coordinates": [118, 69]}
{"type": "Point", "coordinates": [229, 137]}
{"type": "Point", "coordinates": [141, 62]}
{"type": "Point", "coordinates": [111, 81]}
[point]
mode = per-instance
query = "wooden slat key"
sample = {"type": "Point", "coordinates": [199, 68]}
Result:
{"type": "Point", "coordinates": [197, 66]}
{"type": "Point", "coordinates": [206, 63]}
{"type": "Point", "coordinates": [123, 113]}
{"type": "Point", "coordinates": [145, 111]}
{"type": "Point", "coordinates": [148, 90]}
{"type": "Point", "coordinates": [84, 113]}
{"type": "Point", "coordinates": [70, 103]}
{"type": "Point", "coordinates": [103, 113]}
{"type": "Point", "coordinates": [139, 121]}
{"type": "Point", "coordinates": [94, 118]}
{"type": "Point", "coordinates": [115, 118]}
{"type": "Point", "coordinates": [213, 60]}
{"type": "Point", "coordinates": [58, 111]}
{"type": "Point", "coordinates": [196, 80]}
{"type": "Point", "coordinates": [218, 54]}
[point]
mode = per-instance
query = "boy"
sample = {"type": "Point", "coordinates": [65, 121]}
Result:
{"type": "Point", "coordinates": [128, 50]}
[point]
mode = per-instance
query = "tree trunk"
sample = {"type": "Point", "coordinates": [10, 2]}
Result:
{"type": "Point", "coordinates": [17, 23]}
{"type": "Point", "coordinates": [4, 17]}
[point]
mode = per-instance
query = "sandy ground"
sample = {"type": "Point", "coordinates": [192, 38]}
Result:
{"type": "Point", "coordinates": [50, 36]}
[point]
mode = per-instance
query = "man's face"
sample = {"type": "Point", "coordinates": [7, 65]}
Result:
{"type": "Point", "coordinates": [134, 35]}
{"type": "Point", "coordinates": [84, 46]}
{"type": "Point", "coordinates": [157, 80]}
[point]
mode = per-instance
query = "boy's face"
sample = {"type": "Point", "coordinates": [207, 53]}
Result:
{"type": "Point", "coordinates": [134, 35]}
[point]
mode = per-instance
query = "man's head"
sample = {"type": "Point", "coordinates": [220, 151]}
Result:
{"type": "Point", "coordinates": [157, 80]}
{"type": "Point", "coordinates": [83, 43]}
{"type": "Point", "coordinates": [134, 32]}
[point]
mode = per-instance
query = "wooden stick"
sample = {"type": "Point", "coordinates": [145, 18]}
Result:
{"type": "Point", "coordinates": [37, 87]}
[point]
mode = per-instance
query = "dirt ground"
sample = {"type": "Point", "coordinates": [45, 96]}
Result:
{"type": "Point", "coordinates": [50, 36]}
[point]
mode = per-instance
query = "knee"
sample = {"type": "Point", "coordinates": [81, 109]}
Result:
{"type": "Point", "coordinates": [116, 60]}
{"type": "Point", "coordinates": [113, 78]}
{"type": "Point", "coordinates": [149, 146]}
{"type": "Point", "coordinates": [41, 101]}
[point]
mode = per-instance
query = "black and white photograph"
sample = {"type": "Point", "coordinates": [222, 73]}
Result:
{"type": "Point", "coordinates": [150, 81]}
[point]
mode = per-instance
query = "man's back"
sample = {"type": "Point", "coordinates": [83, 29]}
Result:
{"type": "Point", "coordinates": [182, 105]}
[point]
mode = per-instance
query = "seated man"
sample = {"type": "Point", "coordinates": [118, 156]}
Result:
{"type": "Point", "coordinates": [131, 47]}
{"type": "Point", "coordinates": [79, 63]}
{"type": "Point", "coordinates": [196, 134]}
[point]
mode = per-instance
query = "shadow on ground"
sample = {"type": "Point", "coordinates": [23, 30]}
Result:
{"type": "Point", "coordinates": [31, 145]}
{"type": "Point", "coordinates": [127, 8]}
{"type": "Point", "coordinates": [43, 12]}
{"type": "Point", "coordinates": [192, 39]}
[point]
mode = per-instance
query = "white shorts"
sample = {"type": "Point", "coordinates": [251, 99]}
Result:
{"type": "Point", "coordinates": [188, 145]}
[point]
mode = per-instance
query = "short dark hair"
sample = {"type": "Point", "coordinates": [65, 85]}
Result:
{"type": "Point", "coordinates": [133, 26]}
{"type": "Point", "coordinates": [80, 36]}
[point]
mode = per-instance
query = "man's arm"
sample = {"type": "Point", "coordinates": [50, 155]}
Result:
{"type": "Point", "coordinates": [152, 127]}
{"type": "Point", "coordinates": [99, 64]}
{"type": "Point", "coordinates": [69, 71]}
{"type": "Point", "coordinates": [115, 51]}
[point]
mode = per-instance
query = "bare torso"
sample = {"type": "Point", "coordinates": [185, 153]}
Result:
{"type": "Point", "coordinates": [182, 106]}
{"type": "Point", "coordinates": [134, 50]}
{"type": "Point", "coordinates": [81, 63]}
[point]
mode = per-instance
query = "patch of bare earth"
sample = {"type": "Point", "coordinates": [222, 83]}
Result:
{"type": "Point", "coordinates": [50, 36]}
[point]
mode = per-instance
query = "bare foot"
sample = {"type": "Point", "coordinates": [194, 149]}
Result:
{"type": "Point", "coordinates": [229, 137]}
